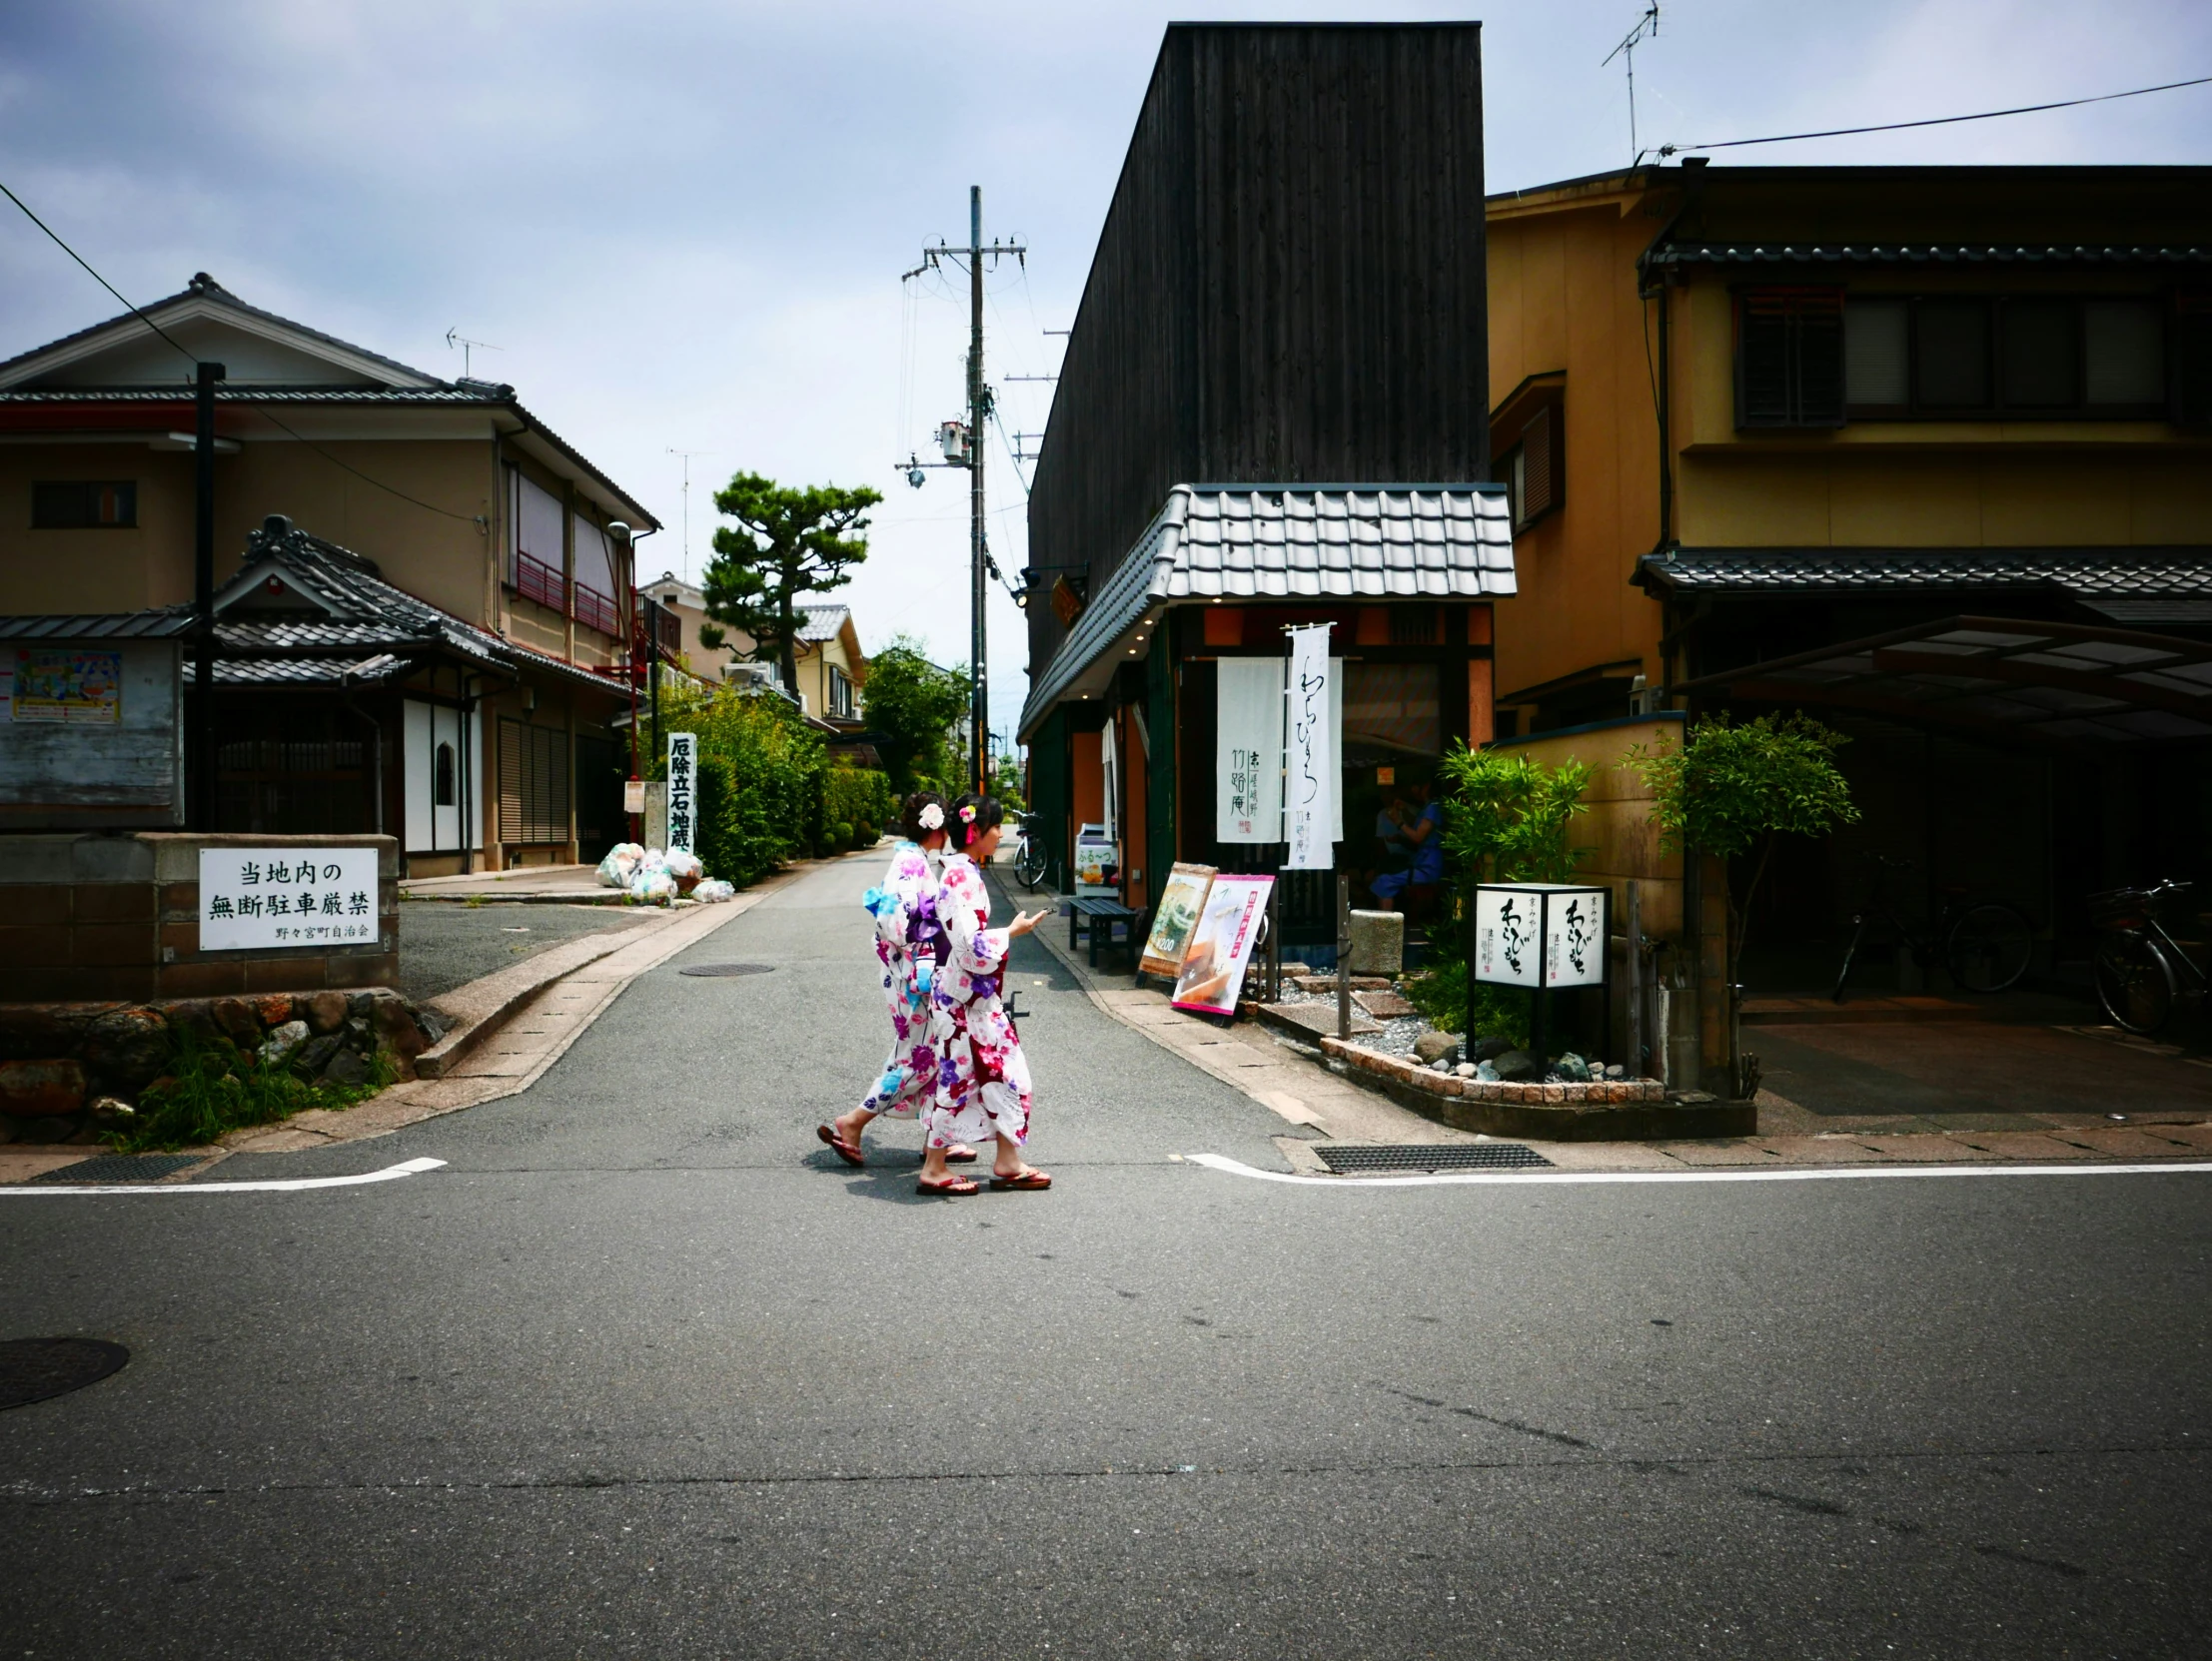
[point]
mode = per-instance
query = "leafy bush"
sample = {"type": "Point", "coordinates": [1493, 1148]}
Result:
{"type": "Point", "coordinates": [213, 1087]}
{"type": "Point", "coordinates": [840, 834]}
{"type": "Point", "coordinates": [857, 796]}
{"type": "Point", "coordinates": [915, 706]}
{"type": "Point", "coordinates": [774, 761]}
{"type": "Point", "coordinates": [1728, 789]}
{"type": "Point", "coordinates": [1507, 819]}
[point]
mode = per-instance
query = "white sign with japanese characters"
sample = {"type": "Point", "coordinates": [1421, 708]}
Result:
{"type": "Point", "coordinates": [1539, 934]}
{"type": "Point", "coordinates": [253, 899]}
{"type": "Point", "coordinates": [684, 786]}
{"type": "Point", "coordinates": [1310, 770]}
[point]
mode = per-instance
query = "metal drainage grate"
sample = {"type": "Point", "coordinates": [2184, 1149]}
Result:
{"type": "Point", "coordinates": [121, 1168]}
{"type": "Point", "coordinates": [726, 969]}
{"type": "Point", "coordinates": [1458, 1156]}
{"type": "Point", "coordinates": [31, 1369]}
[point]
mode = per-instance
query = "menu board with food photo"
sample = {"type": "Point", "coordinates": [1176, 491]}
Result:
{"type": "Point", "coordinates": [1229, 926]}
{"type": "Point", "coordinates": [1173, 919]}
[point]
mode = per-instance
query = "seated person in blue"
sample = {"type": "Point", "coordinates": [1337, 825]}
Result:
{"type": "Point", "coordinates": [1423, 838]}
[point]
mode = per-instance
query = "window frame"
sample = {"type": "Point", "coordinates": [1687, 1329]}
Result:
{"type": "Point", "coordinates": [2160, 302]}
{"type": "Point", "coordinates": [126, 490]}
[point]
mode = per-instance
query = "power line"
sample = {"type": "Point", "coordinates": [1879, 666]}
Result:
{"type": "Point", "coordinates": [477, 520]}
{"type": "Point", "coordinates": [96, 276]}
{"type": "Point", "coordinates": [1938, 121]}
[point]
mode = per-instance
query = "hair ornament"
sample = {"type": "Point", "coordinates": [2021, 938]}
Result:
{"type": "Point", "coordinates": [932, 817]}
{"type": "Point", "coordinates": [967, 814]}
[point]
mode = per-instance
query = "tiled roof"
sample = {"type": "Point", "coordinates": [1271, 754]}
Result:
{"type": "Point", "coordinates": [2146, 573]}
{"type": "Point", "coordinates": [162, 623]}
{"type": "Point", "coordinates": [204, 287]}
{"type": "Point", "coordinates": [1292, 543]}
{"type": "Point", "coordinates": [305, 671]}
{"type": "Point", "coordinates": [1921, 254]}
{"type": "Point", "coordinates": [824, 621]}
{"type": "Point", "coordinates": [182, 393]}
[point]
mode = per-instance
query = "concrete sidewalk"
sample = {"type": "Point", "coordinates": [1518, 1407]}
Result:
{"type": "Point", "coordinates": [1320, 1107]}
{"type": "Point", "coordinates": [565, 885]}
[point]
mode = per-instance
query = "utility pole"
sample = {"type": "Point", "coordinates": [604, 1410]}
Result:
{"type": "Point", "coordinates": [979, 411]}
{"type": "Point", "coordinates": [200, 791]}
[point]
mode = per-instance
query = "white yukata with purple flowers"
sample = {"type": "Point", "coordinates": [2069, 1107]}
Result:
{"type": "Point", "coordinates": [909, 943]}
{"type": "Point", "coordinates": [982, 1076]}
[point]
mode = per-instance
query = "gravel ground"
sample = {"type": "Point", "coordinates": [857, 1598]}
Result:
{"type": "Point", "coordinates": [445, 943]}
{"type": "Point", "coordinates": [1396, 1038]}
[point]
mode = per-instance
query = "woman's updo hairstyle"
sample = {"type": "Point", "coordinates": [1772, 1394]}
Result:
{"type": "Point", "coordinates": [910, 818]}
{"type": "Point", "coordinates": [971, 817]}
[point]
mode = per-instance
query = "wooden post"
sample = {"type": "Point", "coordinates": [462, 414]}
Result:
{"type": "Point", "coordinates": [1344, 957]}
{"type": "Point", "coordinates": [1632, 933]}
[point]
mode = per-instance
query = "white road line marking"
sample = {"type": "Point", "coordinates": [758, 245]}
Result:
{"type": "Point", "coordinates": [413, 1168]}
{"type": "Point", "coordinates": [1787, 1173]}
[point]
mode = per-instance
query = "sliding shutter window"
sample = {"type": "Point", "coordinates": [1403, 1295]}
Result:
{"type": "Point", "coordinates": [510, 782]}
{"type": "Point", "coordinates": [1789, 357]}
{"type": "Point", "coordinates": [1540, 475]}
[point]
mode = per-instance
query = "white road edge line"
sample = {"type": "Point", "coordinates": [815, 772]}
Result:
{"type": "Point", "coordinates": [412, 1168]}
{"type": "Point", "coordinates": [1792, 1173]}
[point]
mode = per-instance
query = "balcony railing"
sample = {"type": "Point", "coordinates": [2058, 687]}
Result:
{"type": "Point", "coordinates": [596, 611]}
{"type": "Point", "coordinates": [536, 581]}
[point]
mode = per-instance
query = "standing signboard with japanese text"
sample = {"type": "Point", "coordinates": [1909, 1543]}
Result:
{"type": "Point", "coordinates": [684, 763]}
{"type": "Point", "coordinates": [1221, 946]}
{"type": "Point", "coordinates": [1539, 934]}
{"type": "Point", "coordinates": [1309, 772]}
{"type": "Point", "coordinates": [254, 899]}
{"type": "Point", "coordinates": [1182, 903]}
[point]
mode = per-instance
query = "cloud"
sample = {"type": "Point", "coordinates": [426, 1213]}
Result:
{"type": "Point", "coordinates": [684, 222]}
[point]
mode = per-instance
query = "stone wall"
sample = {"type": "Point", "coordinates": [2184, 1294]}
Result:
{"type": "Point", "coordinates": [116, 916]}
{"type": "Point", "coordinates": [67, 1070]}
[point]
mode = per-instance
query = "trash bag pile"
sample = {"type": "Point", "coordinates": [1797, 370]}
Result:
{"type": "Point", "coordinates": [650, 877]}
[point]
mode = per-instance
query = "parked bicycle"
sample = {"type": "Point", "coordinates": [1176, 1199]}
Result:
{"type": "Point", "coordinates": [1985, 945]}
{"type": "Point", "coordinates": [1030, 858]}
{"type": "Point", "coordinates": [2141, 969]}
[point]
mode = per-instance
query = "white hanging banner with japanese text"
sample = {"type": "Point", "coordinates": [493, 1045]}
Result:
{"type": "Point", "coordinates": [1310, 770]}
{"type": "Point", "coordinates": [253, 899]}
{"type": "Point", "coordinates": [1248, 755]}
{"type": "Point", "coordinates": [684, 784]}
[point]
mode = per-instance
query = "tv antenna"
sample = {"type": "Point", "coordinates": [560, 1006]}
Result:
{"type": "Point", "coordinates": [1646, 28]}
{"type": "Point", "coordinates": [687, 454]}
{"type": "Point", "coordinates": [453, 338]}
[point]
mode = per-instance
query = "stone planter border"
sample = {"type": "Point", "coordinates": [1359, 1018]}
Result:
{"type": "Point", "coordinates": [1613, 1111]}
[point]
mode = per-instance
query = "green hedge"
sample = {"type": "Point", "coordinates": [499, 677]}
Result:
{"type": "Point", "coordinates": [859, 796]}
{"type": "Point", "coordinates": [767, 792]}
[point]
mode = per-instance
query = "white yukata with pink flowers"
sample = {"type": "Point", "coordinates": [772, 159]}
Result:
{"type": "Point", "coordinates": [909, 942]}
{"type": "Point", "coordinates": [982, 1076]}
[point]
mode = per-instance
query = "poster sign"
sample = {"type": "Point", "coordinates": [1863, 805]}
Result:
{"type": "Point", "coordinates": [633, 796]}
{"type": "Point", "coordinates": [66, 685]}
{"type": "Point", "coordinates": [1539, 934]}
{"type": "Point", "coordinates": [683, 782]}
{"type": "Point", "coordinates": [1094, 857]}
{"type": "Point", "coordinates": [1574, 937]}
{"type": "Point", "coordinates": [253, 899]}
{"type": "Point", "coordinates": [1248, 756]}
{"type": "Point", "coordinates": [1220, 951]}
{"type": "Point", "coordinates": [1310, 771]}
{"type": "Point", "coordinates": [1182, 902]}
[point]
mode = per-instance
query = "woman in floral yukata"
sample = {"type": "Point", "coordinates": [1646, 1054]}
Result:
{"type": "Point", "coordinates": [910, 943]}
{"type": "Point", "coordinates": [982, 1076]}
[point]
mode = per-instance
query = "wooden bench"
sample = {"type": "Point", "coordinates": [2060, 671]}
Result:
{"type": "Point", "coordinates": [1099, 917]}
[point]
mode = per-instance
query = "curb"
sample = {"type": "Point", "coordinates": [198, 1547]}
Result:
{"type": "Point", "coordinates": [477, 1009]}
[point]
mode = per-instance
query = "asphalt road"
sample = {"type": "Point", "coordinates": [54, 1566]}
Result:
{"type": "Point", "coordinates": [642, 1373]}
{"type": "Point", "coordinates": [444, 943]}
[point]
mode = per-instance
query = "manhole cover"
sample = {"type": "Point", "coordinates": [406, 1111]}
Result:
{"type": "Point", "coordinates": [1458, 1156]}
{"type": "Point", "coordinates": [31, 1369]}
{"type": "Point", "coordinates": [121, 1168]}
{"type": "Point", "coordinates": [722, 969]}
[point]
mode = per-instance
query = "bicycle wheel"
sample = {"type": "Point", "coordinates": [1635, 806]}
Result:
{"type": "Point", "coordinates": [1030, 868]}
{"type": "Point", "coordinates": [1988, 947]}
{"type": "Point", "coordinates": [2135, 983]}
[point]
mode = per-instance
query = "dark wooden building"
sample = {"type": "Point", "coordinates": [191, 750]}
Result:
{"type": "Point", "coordinates": [1273, 410]}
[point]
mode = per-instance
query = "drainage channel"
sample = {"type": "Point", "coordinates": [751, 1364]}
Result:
{"type": "Point", "coordinates": [1457, 1156]}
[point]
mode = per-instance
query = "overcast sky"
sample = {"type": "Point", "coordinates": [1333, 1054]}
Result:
{"type": "Point", "coordinates": [683, 224]}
